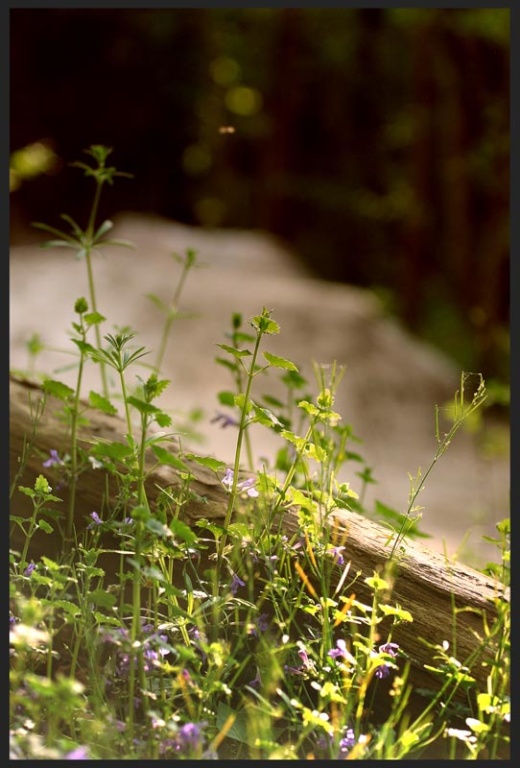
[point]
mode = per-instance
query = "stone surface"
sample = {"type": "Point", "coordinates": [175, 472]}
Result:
{"type": "Point", "coordinates": [391, 384]}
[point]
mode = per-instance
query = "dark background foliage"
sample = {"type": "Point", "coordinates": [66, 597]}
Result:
{"type": "Point", "coordinates": [375, 142]}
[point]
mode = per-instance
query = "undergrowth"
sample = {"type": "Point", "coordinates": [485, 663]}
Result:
{"type": "Point", "coordinates": [147, 632]}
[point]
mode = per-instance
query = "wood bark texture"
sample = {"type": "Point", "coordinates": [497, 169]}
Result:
{"type": "Point", "coordinates": [423, 582]}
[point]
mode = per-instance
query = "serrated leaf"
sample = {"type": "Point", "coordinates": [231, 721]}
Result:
{"type": "Point", "coordinates": [44, 526]}
{"type": "Point", "coordinates": [101, 598]}
{"type": "Point", "coordinates": [280, 362]}
{"type": "Point", "coordinates": [101, 403]}
{"type": "Point", "coordinates": [101, 618]}
{"type": "Point", "coordinates": [155, 526]}
{"type": "Point", "coordinates": [94, 318]}
{"type": "Point", "coordinates": [166, 457]}
{"type": "Point", "coordinates": [58, 389]}
{"type": "Point", "coordinates": [141, 405]}
{"type": "Point", "coordinates": [182, 531]}
{"type": "Point", "coordinates": [71, 608]}
{"type": "Point", "coordinates": [117, 451]}
{"type": "Point", "coordinates": [207, 461]}
{"type": "Point", "coordinates": [235, 352]}
{"type": "Point", "coordinates": [266, 417]}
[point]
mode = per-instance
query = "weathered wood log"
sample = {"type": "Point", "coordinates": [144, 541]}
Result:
{"type": "Point", "coordinates": [424, 583]}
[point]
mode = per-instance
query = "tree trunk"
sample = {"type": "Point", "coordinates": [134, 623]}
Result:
{"type": "Point", "coordinates": [424, 582]}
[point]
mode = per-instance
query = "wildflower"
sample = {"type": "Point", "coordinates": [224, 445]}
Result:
{"type": "Point", "coordinates": [262, 622]}
{"type": "Point", "coordinates": [462, 735]}
{"type": "Point", "coordinates": [80, 753]}
{"type": "Point", "coordinates": [150, 659]}
{"type": "Point", "coordinates": [30, 568]}
{"type": "Point", "coordinates": [347, 742]}
{"type": "Point", "coordinates": [96, 520]}
{"type": "Point", "coordinates": [227, 421]}
{"type": "Point", "coordinates": [335, 552]}
{"type": "Point", "coordinates": [340, 651]}
{"type": "Point", "coordinates": [54, 459]}
{"type": "Point", "coordinates": [391, 649]}
{"type": "Point", "coordinates": [256, 682]}
{"type": "Point", "coordinates": [95, 463]}
{"type": "Point", "coordinates": [236, 582]}
{"type": "Point", "coordinates": [245, 486]}
{"type": "Point", "coordinates": [305, 666]}
{"type": "Point", "coordinates": [189, 737]}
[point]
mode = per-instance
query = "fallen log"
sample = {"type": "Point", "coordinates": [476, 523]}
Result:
{"type": "Point", "coordinates": [424, 582]}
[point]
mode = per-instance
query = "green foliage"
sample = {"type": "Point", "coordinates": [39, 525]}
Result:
{"type": "Point", "coordinates": [225, 638]}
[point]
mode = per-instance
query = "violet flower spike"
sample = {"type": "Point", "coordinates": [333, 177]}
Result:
{"type": "Point", "coordinates": [391, 649]}
{"type": "Point", "coordinates": [336, 553]}
{"type": "Point", "coordinates": [236, 582]}
{"type": "Point", "coordinates": [245, 486]}
{"type": "Point", "coordinates": [226, 421]}
{"type": "Point", "coordinates": [96, 520]}
{"type": "Point", "coordinates": [54, 459]}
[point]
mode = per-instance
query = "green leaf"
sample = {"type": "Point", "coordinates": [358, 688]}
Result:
{"type": "Point", "coordinates": [226, 398]}
{"type": "Point", "coordinates": [155, 526]}
{"type": "Point", "coordinates": [182, 531]}
{"type": "Point", "coordinates": [280, 362]}
{"type": "Point", "coordinates": [101, 403]}
{"type": "Point", "coordinates": [167, 457]}
{"type": "Point", "coordinates": [158, 302]}
{"type": "Point", "coordinates": [101, 598]}
{"type": "Point", "coordinates": [105, 227]}
{"type": "Point", "coordinates": [207, 461]}
{"type": "Point", "coordinates": [58, 389]}
{"type": "Point", "coordinates": [102, 619]}
{"type": "Point", "coordinates": [44, 526]}
{"type": "Point", "coordinates": [117, 451]}
{"type": "Point", "coordinates": [266, 417]}
{"type": "Point", "coordinates": [264, 324]}
{"type": "Point", "coordinates": [399, 613]}
{"type": "Point", "coordinates": [235, 352]}
{"type": "Point", "coordinates": [142, 406]}
{"type": "Point", "coordinates": [163, 419]}
{"type": "Point", "coordinates": [94, 318]}
{"type": "Point", "coordinates": [240, 730]}
{"type": "Point", "coordinates": [273, 401]}
{"type": "Point", "coordinates": [70, 608]}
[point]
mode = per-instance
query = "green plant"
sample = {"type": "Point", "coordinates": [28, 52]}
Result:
{"type": "Point", "coordinates": [225, 638]}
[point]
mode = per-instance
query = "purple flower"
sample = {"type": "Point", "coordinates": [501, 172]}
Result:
{"type": "Point", "coordinates": [347, 742]}
{"type": "Point", "coordinates": [336, 553]}
{"type": "Point", "coordinates": [189, 737]}
{"type": "Point", "coordinates": [256, 682]}
{"type": "Point", "coordinates": [80, 753]}
{"type": "Point", "coordinates": [236, 582]}
{"type": "Point", "coordinates": [53, 460]}
{"type": "Point", "coordinates": [391, 649]}
{"type": "Point", "coordinates": [227, 421]}
{"type": "Point", "coordinates": [262, 622]}
{"type": "Point", "coordinates": [341, 651]}
{"type": "Point", "coordinates": [96, 520]}
{"type": "Point", "coordinates": [305, 666]}
{"type": "Point", "coordinates": [245, 486]}
{"type": "Point", "coordinates": [30, 568]}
